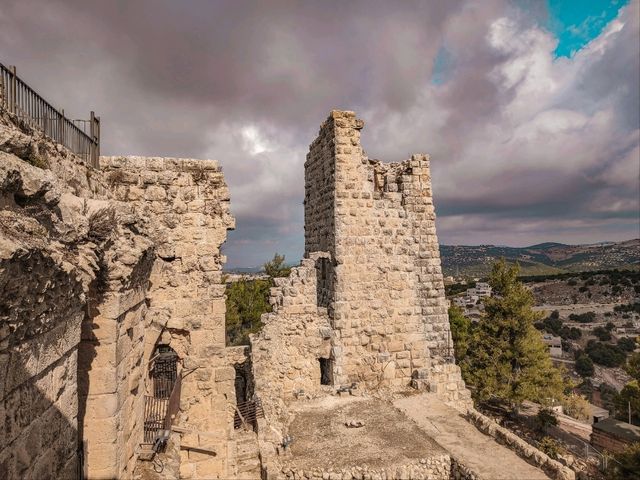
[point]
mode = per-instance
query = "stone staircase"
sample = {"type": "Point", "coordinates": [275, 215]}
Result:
{"type": "Point", "coordinates": [247, 456]}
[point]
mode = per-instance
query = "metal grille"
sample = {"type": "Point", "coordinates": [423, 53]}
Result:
{"type": "Point", "coordinates": [155, 411]}
{"type": "Point", "coordinates": [164, 374]}
{"type": "Point", "coordinates": [248, 413]}
{"type": "Point", "coordinates": [80, 136]}
{"type": "Point", "coordinates": [160, 413]}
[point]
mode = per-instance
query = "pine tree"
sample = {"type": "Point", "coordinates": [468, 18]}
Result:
{"type": "Point", "coordinates": [460, 332]}
{"type": "Point", "coordinates": [508, 360]}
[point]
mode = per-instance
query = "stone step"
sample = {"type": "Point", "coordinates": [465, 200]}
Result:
{"type": "Point", "coordinates": [248, 456]}
{"type": "Point", "coordinates": [248, 466]}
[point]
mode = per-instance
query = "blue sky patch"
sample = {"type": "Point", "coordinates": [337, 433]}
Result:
{"type": "Point", "coordinates": [442, 66]}
{"type": "Point", "coordinates": [576, 22]}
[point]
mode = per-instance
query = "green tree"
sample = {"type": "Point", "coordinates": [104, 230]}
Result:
{"type": "Point", "coordinates": [276, 267]}
{"type": "Point", "coordinates": [246, 301]}
{"type": "Point", "coordinates": [605, 354]}
{"type": "Point", "coordinates": [626, 465]}
{"type": "Point", "coordinates": [584, 366]}
{"type": "Point", "coordinates": [628, 398]}
{"type": "Point", "coordinates": [633, 366]}
{"type": "Point", "coordinates": [627, 344]}
{"type": "Point", "coordinates": [460, 332]}
{"type": "Point", "coordinates": [576, 406]}
{"type": "Point", "coordinates": [508, 360]}
{"type": "Point", "coordinates": [602, 334]}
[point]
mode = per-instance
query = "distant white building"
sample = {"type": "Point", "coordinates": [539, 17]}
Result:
{"type": "Point", "coordinates": [459, 301]}
{"type": "Point", "coordinates": [470, 302]}
{"type": "Point", "coordinates": [554, 343]}
{"type": "Point", "coordinates": [483, 289]}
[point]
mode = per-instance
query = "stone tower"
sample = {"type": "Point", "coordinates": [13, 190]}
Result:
{"type": "Point", "coordinates": [379, 276]}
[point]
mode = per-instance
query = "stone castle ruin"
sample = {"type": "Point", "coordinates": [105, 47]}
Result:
{"type": "Point", "coordinates": [367, 304]}
{"type": "Point", "coordinates": [113, 361]}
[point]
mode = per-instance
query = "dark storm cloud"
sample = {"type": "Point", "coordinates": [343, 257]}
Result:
{"type": "Point", "coordinates": [517, 138]}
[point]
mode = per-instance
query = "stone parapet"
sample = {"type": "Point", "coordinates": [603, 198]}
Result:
{"type": "Point", "coordinates": [433, 468]}
{"type": "Point", "coordinates": [526, 451]}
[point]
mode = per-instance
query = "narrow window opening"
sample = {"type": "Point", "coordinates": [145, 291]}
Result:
{"type": "Point", "coordinates": [326, 371]}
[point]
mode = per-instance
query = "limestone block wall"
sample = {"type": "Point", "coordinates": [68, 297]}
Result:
{"type": "Point", "coordinates": [377, 221]}
{"type": "Point", "coordinates": [39, 334]}
{"type": "Point", "coordinates": [182, 205]}
{"type": "Point", "coordinates": [60, 256]}
{"type": "Point", "coordinates": [296, 334]}
{"type": "Point", "coordinates": [47, 263]}
{"type": "Point", "coordinates": [111, 262]}
{"type": "Point", "coordinates": [111, 381]}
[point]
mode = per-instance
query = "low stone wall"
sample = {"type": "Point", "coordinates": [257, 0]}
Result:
{"type": "Point", "coordinates": [434, 468]}
{"type": "Point", "coordinates": [462, 472]}
{"type": "Point", "coordinates": [526, 451]}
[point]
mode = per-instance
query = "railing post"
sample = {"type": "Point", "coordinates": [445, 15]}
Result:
{"type": "Point", "coordinates": [62, 126]}
{"type": "Point", "coordinates": [14, 87]}
{"type": "Point", "coordinates": [3, 88]}
{"type": "Point", "coordinates": [97, 142]}
{"type": "Point", "coordinates": [92, 147]}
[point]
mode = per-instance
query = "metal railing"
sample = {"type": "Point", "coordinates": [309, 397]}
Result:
{"type": "Point", "coordinates": [82, 137]}
{"type": "Point", "coordinates": [247, 413]}
{"type": "Point", "coordinates": [160, 412]}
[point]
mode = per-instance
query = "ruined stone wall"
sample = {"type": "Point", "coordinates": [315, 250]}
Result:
{"type": "Point", "coordinates": [49, 240]}
{"type": "Point", "coordinates": [62, 256]}
{"type": "Point", "coordinates": [39, 333]}
{"type": "Point", "coordinates": [111, 379]}
{"type": "Point", "coordinates": [182, 205]}
{"type": "Point", "coordinates": [386, 299]}
{"type": "Point", "coordinates": [109, 264]}
{"type": "Point", "coordinates": [295, 335]}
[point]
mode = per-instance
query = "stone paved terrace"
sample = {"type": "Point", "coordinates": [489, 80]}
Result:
{"type": "Point", "coordinates": [463, 441]}
{"type": "Point", "coordinates": [387, 439]}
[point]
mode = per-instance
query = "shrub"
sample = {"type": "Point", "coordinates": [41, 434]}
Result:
{"type": "Point", "coordinates": [549, 446]}
{"type": "Point", "coordinates": [584, 366]}
{"type": "Point", "coordinates": [101, 224]}
{"type": "Point", "coordinates": [544, 419]}
{"type": "Point", "coordinates": [627, 344]}
{"type": "Point", "coordinates": [604, 354]}
{"type": "Point", "coordinates": [626, 465]}
{"type": "Point", "coordinates": [602, 334]}
{"type": "Point", "coordinates": [576, 406]}
{"type": "Point", "coordinates": [587, 317]}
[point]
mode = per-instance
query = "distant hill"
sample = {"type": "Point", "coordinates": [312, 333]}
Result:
{"type": "Point", "coordinates": [542, 259]}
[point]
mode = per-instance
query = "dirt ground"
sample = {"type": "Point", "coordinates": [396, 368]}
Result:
{"type": "Point", "coordinates": [388, 437]}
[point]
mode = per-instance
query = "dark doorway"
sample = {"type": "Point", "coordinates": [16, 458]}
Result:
{"type": "Point", "coordinates": [326, 371]}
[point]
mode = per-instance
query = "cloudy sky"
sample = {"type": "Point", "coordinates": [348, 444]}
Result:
{"type": "Point", "coordinates": [529, 108]}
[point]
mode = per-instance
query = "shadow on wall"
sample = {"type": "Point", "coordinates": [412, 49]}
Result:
{"type": "Point", "coordinates": [40, 437]}
{"type": "Point", "coordinates": [40, 327]}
